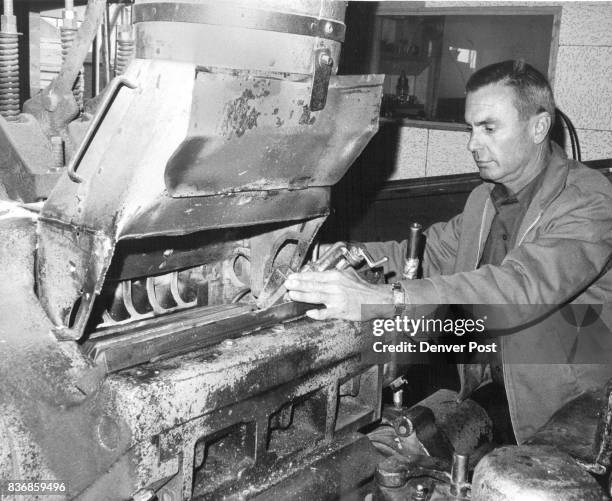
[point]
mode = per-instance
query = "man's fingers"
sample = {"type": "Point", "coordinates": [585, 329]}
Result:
{"type": "Point", "coordinates": [314, 297]}
{"type": "Point", "coordinates": [314, 276]}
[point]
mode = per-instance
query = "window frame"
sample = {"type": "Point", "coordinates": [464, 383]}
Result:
{"type": "Point", "coordinates": [392, 8]}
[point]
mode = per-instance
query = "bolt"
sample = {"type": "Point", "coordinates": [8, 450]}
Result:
{"type": "Point", "coordinates": [329, 28]}
{"type": "Point", "coordinates": [325, 59]}
{"type": "Point", "coordinates": [420, 492]}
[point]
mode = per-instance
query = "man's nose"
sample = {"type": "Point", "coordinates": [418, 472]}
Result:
{"type": "Point", "coordinates": [473, 143]}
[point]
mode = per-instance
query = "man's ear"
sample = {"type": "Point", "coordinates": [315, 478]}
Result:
{"type": "Point", "coordinates": [541, 126]}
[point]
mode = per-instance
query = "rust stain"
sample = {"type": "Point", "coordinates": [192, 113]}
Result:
{"type": "Point", "coordinates": [240, 115]}
{"type": "Point", "coordinates": [306, 118]}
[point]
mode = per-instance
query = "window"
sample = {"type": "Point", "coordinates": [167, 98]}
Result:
{"type": "Point", "coordinates": [428, 54]}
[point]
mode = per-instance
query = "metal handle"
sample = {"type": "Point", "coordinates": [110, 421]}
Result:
{"type": "Point", "coordinates": [358, 254]}
{"type": "Point", "coordinates": [107, 100]}
{"type": "Point", "coordinates": [411, 264]}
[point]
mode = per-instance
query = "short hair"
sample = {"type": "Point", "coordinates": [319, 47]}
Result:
{"type": "Point", "coordinates": [532, 91]}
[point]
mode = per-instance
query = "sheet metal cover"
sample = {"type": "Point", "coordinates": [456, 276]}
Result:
{"type": "Point", "coordinates": [249, 133]}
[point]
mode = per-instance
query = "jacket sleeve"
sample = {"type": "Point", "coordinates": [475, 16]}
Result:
{"type": "Point", "coordinates": [442, 240]}
{"type": "Point", "coordinates": [571, 248]}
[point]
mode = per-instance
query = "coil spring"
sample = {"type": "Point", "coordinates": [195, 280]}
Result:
{"type": "Point", "coordinates": [9, 76]}
{"type": "Point", "coordinates": [78, 89]}
{"type": "Point", "coordinates": [123, 56]}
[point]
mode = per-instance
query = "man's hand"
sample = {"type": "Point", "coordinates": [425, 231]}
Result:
{"type": "Point", "coordinates": [342, 293]}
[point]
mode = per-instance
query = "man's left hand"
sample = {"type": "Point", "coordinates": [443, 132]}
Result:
{"type": "Point", "coordinates": [341, 293]}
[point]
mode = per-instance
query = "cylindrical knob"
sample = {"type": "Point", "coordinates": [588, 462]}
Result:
{"type": "Point", "coordinates": [411, 265]}
{"type": "Point", "coordinates": [414, 240]}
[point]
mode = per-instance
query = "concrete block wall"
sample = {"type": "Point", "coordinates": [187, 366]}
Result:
{"type": "Point", "coordinates": [582, 86]}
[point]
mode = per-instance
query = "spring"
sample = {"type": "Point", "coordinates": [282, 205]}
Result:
{"type": "Point", "coordinates": [9, 76]}
{"type": "Point", "coordinates": [123, 55]}
{"type": "Point", "coordinates": [78, 89]}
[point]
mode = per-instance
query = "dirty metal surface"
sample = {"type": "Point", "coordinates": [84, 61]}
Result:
{"type": "Point", "coordinates": [180, 216]}
{"type": "Point", "coordinates": [415, 477]}
{"type": "Point", "coordinates": [240, 17]}
{"type": "Point", "coordinates": [581, 428]}
{"type": "Point", "coordinates": [106, 434]}
{"type": "Point", "coordinates": [126, 346]}
{"type": "Point", "coordinates": [466, 425]}
{"type": "Point", "coordinates": [532, 472]}
{"type": "Point", "coordinates": [333, 471]}
{"type": "Point", "coordinates": [241, 34]}
{"type": "Point", "coordinates": [268, 136]}
{"type": "Point", "coordinates": [26, 169]}
{"type": "Point", "coordinates": [197, 395]}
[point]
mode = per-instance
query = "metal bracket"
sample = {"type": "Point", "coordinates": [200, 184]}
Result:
{"type": "Point", "coordinates": [323, 64]}
{"type": "Point", "coordinates": [240, 17]}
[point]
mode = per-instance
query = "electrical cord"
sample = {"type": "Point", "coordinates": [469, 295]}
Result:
{"type": "Point", "coordinates": [576, 153]}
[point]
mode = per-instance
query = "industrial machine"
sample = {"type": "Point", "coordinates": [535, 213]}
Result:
{"type": "Point", "coordinates": [145, 349]}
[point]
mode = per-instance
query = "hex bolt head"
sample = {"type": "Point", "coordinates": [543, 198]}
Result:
{"type": "Point", "coordinates": [325, 59]}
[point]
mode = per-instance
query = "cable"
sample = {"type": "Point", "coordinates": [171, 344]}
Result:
{"type": "Point", "coordinates": [576, 153]}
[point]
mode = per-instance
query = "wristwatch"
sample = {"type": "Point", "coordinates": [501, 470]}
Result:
{"type": "Point", "coordinates": [399, 298]}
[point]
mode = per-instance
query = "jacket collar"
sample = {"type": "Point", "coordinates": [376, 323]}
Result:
{"type": "Point", "coordinates": [555, 178]}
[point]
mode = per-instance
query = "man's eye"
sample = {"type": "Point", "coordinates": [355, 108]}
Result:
{"type": "Point", "coordinates": [489, 130]}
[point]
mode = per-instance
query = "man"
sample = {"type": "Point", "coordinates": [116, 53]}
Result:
{"type": "Point", "coordinates": [538, 231]}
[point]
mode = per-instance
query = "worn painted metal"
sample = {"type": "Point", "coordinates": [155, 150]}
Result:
{"type": "Point", "coordinates": [532, 472]}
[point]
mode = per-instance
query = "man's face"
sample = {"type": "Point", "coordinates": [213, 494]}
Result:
{"type": "Point", "coordinates": [500, 142]}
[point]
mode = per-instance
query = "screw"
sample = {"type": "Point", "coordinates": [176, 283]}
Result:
{"type": "Point", "coordinates": [325, 59]}
{"type": "Point", "coordinates": [329, 28]}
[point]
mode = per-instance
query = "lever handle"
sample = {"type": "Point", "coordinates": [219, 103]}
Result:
{"type": "Point", "coordinates": [355, 255]}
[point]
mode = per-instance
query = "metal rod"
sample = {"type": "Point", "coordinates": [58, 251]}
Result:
{"type": "Point", "coordinates": [8, 7]}
{"type": "Point", "coordinates": [95, 65]}
{"type": "Point", "coordinates": [107, 41]}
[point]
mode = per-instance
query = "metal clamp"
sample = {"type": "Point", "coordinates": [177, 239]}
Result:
{"type": "Point", "coordinates": [239, 17]}
{"type": "Point", "coordinates": [323, 65]}
{"type": "Point", "coordinates": [109, 97]}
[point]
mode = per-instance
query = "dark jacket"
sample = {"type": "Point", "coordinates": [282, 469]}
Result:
{"type": "Point", "coordinates": [562, 255]}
